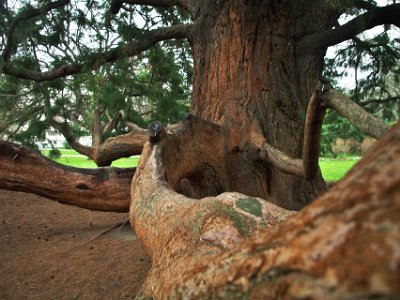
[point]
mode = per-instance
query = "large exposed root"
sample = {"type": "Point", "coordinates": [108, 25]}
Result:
{"type": "Point", "coordinates": [103, 189]}
{"type": "Point", "coordinates": [345, 244]}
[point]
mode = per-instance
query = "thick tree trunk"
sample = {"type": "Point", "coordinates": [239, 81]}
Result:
{"type": "Point", "coordinates": [104, 189]}
{"type": "Point", "coordinates": [249, 80]}
{"type": "Point", "coordinates": [344, 245]}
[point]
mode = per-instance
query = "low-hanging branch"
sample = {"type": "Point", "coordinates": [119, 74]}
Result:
{"type": "Point", "coordinates": [147, 40]}
{"type": "Point", "coordinates": [373, 17]}
{"type": "Point", "coordinates": [124, 145]}
{"type": "Point", "coordinates": [64, 129]}
{"type": "Point", "coordinates": [362, 119]}
{"type": "Point", "coordinates": [102, 189]}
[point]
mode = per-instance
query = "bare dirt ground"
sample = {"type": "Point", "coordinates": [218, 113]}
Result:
{"type": "Point", "coordinates": [47, 251]}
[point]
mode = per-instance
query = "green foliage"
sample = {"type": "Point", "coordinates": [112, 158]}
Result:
{"type": "Point", "coordinates": [335, 126]}
{"type": "Point", "coordinates": [154, 85]}
{"type": "Point", "coordinates": [373, 59]}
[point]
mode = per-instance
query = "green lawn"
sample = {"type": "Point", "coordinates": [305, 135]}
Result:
{"type": "Point", "coordinates": [335, 169]}
{"type": "Point", "coordinates": [332, 169]}
{"type": "Point", "coordinates": [73, 158]}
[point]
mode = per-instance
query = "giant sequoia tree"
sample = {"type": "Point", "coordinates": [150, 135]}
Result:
{"type": "Point", "coordinates": [245, 157]}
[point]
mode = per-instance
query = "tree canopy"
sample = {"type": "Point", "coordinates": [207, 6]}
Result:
{"type": "Point", "coordinates": [153, 85]}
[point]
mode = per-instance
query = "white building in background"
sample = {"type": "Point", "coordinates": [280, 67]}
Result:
{"type": "Point", "coordinates": [53, 137]}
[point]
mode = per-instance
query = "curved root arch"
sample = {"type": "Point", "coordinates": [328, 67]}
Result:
{"type": "Point", "coordinates": [231, 245]}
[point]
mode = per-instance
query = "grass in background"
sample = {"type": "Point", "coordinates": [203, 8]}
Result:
{"type": "Point", "coordinates": [335, 169]}
{"type": "Point", "coordinates": [74, 159]}
{"type": "Point", "coordinates": [332, 169]}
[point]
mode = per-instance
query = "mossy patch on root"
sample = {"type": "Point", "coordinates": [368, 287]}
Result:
{"type": "Point", "coordinates": [250, 205]}
{"type": "Point", "coordinates": [240, 221]}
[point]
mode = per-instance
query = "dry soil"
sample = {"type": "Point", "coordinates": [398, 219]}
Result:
{"type": "Point", "coordinates": [53, 251]}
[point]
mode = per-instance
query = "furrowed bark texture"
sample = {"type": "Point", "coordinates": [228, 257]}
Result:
{"type": "Point", "coordinates": [250, 80]}
{"type": "Point", "coordinates": [346, 244]}
{"type": "Point", "coordinates": [103, 189]}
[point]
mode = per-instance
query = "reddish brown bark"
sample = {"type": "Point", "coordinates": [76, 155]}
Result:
{"type": "Point", "coordinates": [103, 189]}
{"type": "Point", "coordinates": [250, 80]}
{"type": "Point", "coordinates": [343, 245]}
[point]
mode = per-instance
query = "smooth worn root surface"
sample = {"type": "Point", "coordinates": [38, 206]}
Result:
{"type": "Point", "coordinates": [345, 245]}
{"type": "Point", "coordinates": [47, 251]}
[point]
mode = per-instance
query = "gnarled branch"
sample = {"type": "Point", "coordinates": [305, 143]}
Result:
{"type": "Point", "coordinates": [103, 189]}
{"type": "Point", "coordinates": [64, 129]}
{"type": "Point", "coordinates": [147, 40]}
{"type": "Point", "coordinates": [373, 17]}
{"type": "Point", "coordinates": [362, 119]}
{"type": "Point", "coordinates": [104, 152]}
{"type": "Point", "coordinates": [124, 145]}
